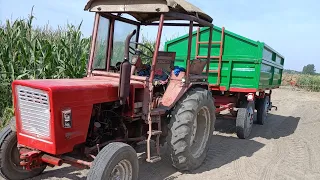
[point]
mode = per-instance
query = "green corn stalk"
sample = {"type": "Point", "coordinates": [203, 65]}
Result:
{"type": "Point", "coordinates": [28, 52]}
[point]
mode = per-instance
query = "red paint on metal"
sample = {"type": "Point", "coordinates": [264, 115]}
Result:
{"type": "Point", "coordinates": [197, 42]}
{"type": "Point", "coordinates": [175, 90]}
{"type": "Point", "coordinates": [77, 94]}
{"type": "Point", "coordinates": [51, 160]}
{"type": "Point", "coordinates": [224, 107]}
{"type": "Point", "coordinates": [261, 95]}
{"type": "Point", "coordinates": [244, 90]}
{"type": "Point", "coordinates": [117, 75]}
{"type": "Point", "coordinates": [156, 51]}
{"type": "Point", "coordinates": [153, 68]}
{"type": "Point", "coordinates": [33, 159]}
{"type": "Point", "coordinates": [210, 42]}
{"type": "Point", "coordinates": [76, 162]}
{"type": "Point", "coordinates": [223, 100]}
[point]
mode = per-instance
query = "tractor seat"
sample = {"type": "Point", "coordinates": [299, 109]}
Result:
{"type": "Point", "coordinates": [164, 66]}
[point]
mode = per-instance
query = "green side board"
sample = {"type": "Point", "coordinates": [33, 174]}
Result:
{"type": "Point", "coordinates": [246, 64]}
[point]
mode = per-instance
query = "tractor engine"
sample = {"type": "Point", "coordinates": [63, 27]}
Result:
{"type": "Point", "coordinates": [107, 123]}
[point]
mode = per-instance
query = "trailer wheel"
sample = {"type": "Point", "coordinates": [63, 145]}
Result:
{"type": "Point", "coordinates": [10, 158]}
{"type": "Point", "coordinates": [191, 128]}
{"type": "Point", "coordinates": [263, 109]}
{"type": "Point", "coordinates": [116, 161]}
{"type": "Point", "coordinates": [244, 121]}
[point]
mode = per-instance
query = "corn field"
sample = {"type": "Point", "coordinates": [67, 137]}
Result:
{"type": "Point", "coordinates": [33, 53]}
{"type": "Point", "coordinates": [27, 52]}
{"type": "Point", "coordinates": [302, 81]}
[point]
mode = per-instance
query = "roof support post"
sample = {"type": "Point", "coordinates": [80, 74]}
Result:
{"type": "Point", "coordinates": [93, 43]}
{"type": "Point", "coordinates": [110, 43]}
{"type": "Point", "coordinates": [156, 50]}
{"type": "Point", "coordinates": [189, 50]}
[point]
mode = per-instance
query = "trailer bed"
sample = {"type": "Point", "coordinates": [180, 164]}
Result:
{"type": "Point", "coordinates": [237, 63]}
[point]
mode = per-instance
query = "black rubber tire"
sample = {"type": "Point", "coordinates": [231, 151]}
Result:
{"type": "Point", "coordinates": [181, 125]}
{"type": "Point", "coordinates": [8, 169]}
{"type": "Point", "coordinates": [109, 157]}
{"type": "Point", "coordinates": [261, 116]}
{"type": "Point", "coordinates": [242, 128]}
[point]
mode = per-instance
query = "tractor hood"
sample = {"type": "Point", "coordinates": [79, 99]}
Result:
{"type": "Point", "coordinates": [39, 105]}
{"type": "Point", "coordinates": [89, 89]}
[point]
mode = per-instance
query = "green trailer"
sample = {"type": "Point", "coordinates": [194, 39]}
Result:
{"type": "Point", "coordinates": [237, 64]}
{"type": "Point", "coordinates": [241, 74]}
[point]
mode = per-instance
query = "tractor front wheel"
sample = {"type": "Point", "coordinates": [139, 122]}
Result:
{"type": "Point", "coordinates": [191, 128]}
{"type": "Point", "coordinates": [116, 161]}
{"type": "Point", "coordinates": [245, 118]}
{"type": "Point", "coordinates": [10, 158]}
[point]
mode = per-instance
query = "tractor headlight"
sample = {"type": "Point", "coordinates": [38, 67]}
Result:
{"type": "Point", "coordinates": [66, 118]}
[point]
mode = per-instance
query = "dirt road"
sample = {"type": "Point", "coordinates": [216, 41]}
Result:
{"type": "Point", "coordinates": [287, 147]}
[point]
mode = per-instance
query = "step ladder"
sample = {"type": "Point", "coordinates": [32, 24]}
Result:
{"type": "Point", "coordinates": [154, 118]}
{"type": "Point", "coordinates": [219, 57]}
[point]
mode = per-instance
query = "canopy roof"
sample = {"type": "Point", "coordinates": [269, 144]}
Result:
{"type": "Point", "coordinates": [147, 10]}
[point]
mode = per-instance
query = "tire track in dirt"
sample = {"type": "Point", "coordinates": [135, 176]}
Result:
{"type": "Point", "coordinates": [240, 168]}
{"type": "Point", "coordinates": [272, 165]}
{"type": "Point", "coordinates": [279, 150]}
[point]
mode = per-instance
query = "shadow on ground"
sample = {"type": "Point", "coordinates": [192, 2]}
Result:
{"type": "Point", "coordinates": [68, 172]}
{"type": "Point", "coordinates": [275, 127]}
{"type": "Point", "coordinates": [224, 148]}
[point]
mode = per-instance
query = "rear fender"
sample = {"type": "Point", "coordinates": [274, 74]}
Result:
{"type": "Point", "coordinates": [175, 90]}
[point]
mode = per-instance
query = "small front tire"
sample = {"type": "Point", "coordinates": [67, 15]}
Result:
{"type": "Point", "coordinates": [116, 161]}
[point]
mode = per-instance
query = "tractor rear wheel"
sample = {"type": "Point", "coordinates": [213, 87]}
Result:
{"type": "Point", "coordinates": [10, 158]}
{"type": "Point", "coordinates": [245, 118]}
{"type": "Point", "coordinates": [191, 128]}
{"type": "Point", "coordinates": [263, 109]}
{"type": "Point", "coordinates": [116, 161]}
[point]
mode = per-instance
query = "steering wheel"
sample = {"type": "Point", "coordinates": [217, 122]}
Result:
{"type": "Point", "coordinates": [140, 51]}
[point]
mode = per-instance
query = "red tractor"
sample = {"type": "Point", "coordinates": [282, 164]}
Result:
{"type": "Point", "coordinates": [96, 121]}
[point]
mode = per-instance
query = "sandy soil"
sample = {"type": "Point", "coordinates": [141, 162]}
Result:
{"type": "Point", "coordinates": [287, 147]}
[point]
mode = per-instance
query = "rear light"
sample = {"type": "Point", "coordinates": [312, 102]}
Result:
{"type": "Point", "coordinates": [67, 118]}
{"type": "Point", "coordinates": [250, 97]}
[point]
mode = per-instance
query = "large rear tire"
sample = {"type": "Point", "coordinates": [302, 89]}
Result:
{"type": "Point", "coordinates": [191, 128]}
{"type": "Point", "coordinates": [245, 119]}
{"type": "Point", "coordinates": [10, 158]}
{"type": "Point", "coordinates": [116, 161]}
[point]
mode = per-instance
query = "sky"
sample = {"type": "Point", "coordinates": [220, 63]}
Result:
{"type": "Point", "coordinates": [291, 27]}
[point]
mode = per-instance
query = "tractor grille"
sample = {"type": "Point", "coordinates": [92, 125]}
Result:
{"type": "Point", "coordinates": [34, 109]}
